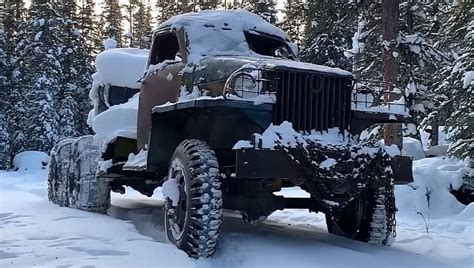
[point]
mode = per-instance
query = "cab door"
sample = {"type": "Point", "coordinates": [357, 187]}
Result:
{"type": "Point", "coordinates": [161, 82]}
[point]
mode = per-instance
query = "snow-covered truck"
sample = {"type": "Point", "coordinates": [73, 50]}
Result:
{"type": "Point", "coordinates": [224, 117]}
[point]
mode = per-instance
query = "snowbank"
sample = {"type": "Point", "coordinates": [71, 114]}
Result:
{"type": "Point", "coordinates": [31, 161]}
{"type": "Point", "coordinates": [430, 192]}
{"type": "Point", "coordinates": [425, 137]}
{"type": "Point", "coordinates": [36, 232]}
{"type": "Point", "coordinates": [413, 147]}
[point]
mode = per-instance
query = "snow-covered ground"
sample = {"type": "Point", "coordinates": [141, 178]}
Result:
{"type": "Point", "coordinates": [35, 232]}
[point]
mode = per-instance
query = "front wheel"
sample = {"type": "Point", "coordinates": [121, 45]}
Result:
{"type": "Point", "coordinates": [368, 218]}
{"type": "Point", "coordinates": [193, 204]}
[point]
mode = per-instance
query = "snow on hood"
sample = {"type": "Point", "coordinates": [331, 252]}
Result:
{"type": "Point", "coordinates": [121, 66]}
{"type": "Point", "coordinates": [267, 62]}
{"type": "Point", "coordinates": [218, 32]}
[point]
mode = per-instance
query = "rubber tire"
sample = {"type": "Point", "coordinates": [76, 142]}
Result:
{"type": "Point", "coordinates": [370, 208]}
{"type": "Point", "coordinates": [72, 180]}
{"type": "Point", "coordinates": [59, 173]}
{"type": "Point", "coordinates": [203, 219]}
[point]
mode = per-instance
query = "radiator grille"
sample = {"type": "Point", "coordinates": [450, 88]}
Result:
{"type": "Point", "coordinates": [311, 101]}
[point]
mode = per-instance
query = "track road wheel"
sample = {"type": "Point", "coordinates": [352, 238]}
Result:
{"type": "Point", "coordinates": [72, 180]}
{"type": "Point", "coordinates": [59, 173]}
{"type": "Point", "coordinates": [369, 218]}
{"type": "Point", "coordinates": [88, 192]}
{"type": "Point", "coordinates": [193, 204]}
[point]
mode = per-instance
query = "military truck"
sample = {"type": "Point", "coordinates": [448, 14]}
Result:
{"type": "Point", "coordinates": [226, 117]}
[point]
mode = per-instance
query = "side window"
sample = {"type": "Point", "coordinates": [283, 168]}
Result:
{"type": "Point", "coordinates": [165, 47]}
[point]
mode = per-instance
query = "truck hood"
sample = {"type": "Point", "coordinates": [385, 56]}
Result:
{"type": "Point", "coordinates": [223, 66]}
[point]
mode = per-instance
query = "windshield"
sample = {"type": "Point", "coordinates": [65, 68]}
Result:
{"type": "Point", "coordinates": [268, 46]}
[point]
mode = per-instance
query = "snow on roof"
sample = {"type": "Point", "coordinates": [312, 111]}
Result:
{"type": "Point", "coordinates": [220, 32]}
{"type": "Point", "coordinates": [121, 66]}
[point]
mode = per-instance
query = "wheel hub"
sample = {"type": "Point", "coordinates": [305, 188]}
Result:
{"type": "Point", "coordinates": [176, 215]}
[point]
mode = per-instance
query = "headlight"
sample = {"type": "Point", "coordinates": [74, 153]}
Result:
{"type": "Point", "coordinates": [245, 86]}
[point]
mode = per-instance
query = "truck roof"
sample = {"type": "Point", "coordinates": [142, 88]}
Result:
{"type": "Point", "coordinates": [221, 32]}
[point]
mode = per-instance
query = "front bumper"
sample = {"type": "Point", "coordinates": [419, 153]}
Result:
{"type": "Point", "coordinates": [265, 164]}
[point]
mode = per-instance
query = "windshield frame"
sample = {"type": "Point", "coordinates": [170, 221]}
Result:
{"type": "Point", "coordinates": [273, 38]}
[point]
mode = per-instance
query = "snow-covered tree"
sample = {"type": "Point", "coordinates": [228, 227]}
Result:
{"type": "Point", "coordinates": [38, 72]}
{"type": "Point", "coordinates": [458, 87]}
{"type": "Point", "coordinates": [75, 82]}
{"type": "Point", "coordinates": [87, 22]}
{"type": "Point", "coordinates": [111, 21]}
{"type": "Point", "coordinates": [328, 32]}
{"type": "Point", "coordinates": [13, 14]}
{"type": "Point", "coordinates": [293, 20]}
{"type": "Point", "coordinates": [4, 104]}
{"type": "Point", "coordinates": [419, 58]}
{"type": "Point", "coordinates": [208, 4]}
{"type": "Point", "coordinates": [142, 29]}
{"type": "Point", "coordinates": [167, 9]}
{"type": "Point", "coordinates": [264, 8]}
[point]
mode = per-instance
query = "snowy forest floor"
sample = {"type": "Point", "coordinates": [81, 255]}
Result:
{"type": "Point", "coordinates": [35, 232]}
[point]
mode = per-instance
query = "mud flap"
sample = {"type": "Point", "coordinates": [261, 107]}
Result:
{"type": "Point", "coordinates": [402, 169]}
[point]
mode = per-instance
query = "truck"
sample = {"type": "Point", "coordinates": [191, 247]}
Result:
{"type": "Point", "coordinates": [224, 116]}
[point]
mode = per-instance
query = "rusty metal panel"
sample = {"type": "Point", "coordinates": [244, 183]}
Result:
{"type": "Point", "coordinates": [156, 89]}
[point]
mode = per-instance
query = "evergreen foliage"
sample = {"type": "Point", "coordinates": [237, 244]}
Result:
{"type": "Point", "coordinates": [142, 30]}
{"type": "Point", "coordinates": [46, 61]}
{"type": "Point", "coordinates": [459, 85]}
{"type": "Point", "coordinates": [4, 104]}
{"type": "Point", "coordinates": [264, 8]}
{"type": "Point", "coordinates": [293, 20]}
{"type": "Point", "coordinates": [329, 31]}
{"type": "Point", "coordinates": [38, 74]}
{"type": "Point", "coordinates": [87, 23]}
{"type": "Point", "coordinates": [111, 20]}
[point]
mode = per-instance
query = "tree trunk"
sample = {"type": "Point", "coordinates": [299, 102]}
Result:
{"type": "Point", "coordinates": [390, 30]}
{"type": "Point", "coordinates": [434, 137]}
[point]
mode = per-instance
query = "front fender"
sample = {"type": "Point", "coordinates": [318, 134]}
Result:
{"type": "Point", "coordinates": [220, 123]}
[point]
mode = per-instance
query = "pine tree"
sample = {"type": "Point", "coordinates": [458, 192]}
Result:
{"type": "Point", "coordinates": [4, 105]}
{"type": "Point", "coordinates": [72, 99]}
{"type": "Point", "coordinates": [87, 23]}
{"type": "Point", "coordinates": [111, 19]}
{"type": "Point", "coordinates": [167, 9]}
{"type": "Point", "coordinates": [419, 58]}
{"type": "Point", "coordinates": [142, 26]}
{"type": "Point", "coordinates": [329, 32]}
{"type": "Point", "coordinates": [13, 16]}
{"type": "Point", "coordinates": [449, 40]}
{"type": "Point", "coordinates": [129, 10]}
{"type": "Point", "coordinates": [264, 8]}
{"type": "Point", "coordinates": [38, 71]}
{"type": "Point", "coordinates": [293, 20]}
{"type": "Point", "coordinates": [458, 87]}
{"type": "Point", "coordinates": [208, 4]}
